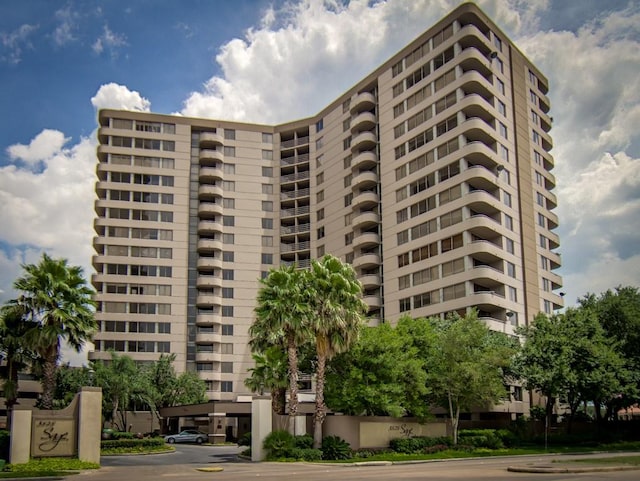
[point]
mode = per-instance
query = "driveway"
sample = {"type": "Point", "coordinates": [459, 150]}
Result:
{"type": "Point", "coordinates": [184, 454]}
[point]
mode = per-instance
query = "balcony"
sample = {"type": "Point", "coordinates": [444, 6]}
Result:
{"type": "Point", "coordinates": [363, 121]}
{"type": "Point", "coordinates": [209, 209]}
{"type": "Point", "coordinates": [293, 160]}
{"type": "Point", "coordinates": [304, 210]}
{"type": "Point", "coordinates": [363, 101]}
{"type": "Point", "coordinates": [370, 281]}
{"type": "Point", "coordinates": [209, 319]}
{"type": "Point", "coordinates": [365, 219]}
{"type": "Point", "coordinates": [209, 175]}
{"type": "Point", "coordinates": [208, 300]}
{"type": "Point", "coordinates": [299, 246]}
{"type": "Point", "coordinates": [210, 156]}
{"type": "Point", "coordinates": [366, 239]}
{"type": "Point", "coordinates": [210, 139]}
{"type": "Point", "coordinates": [208, 357]}
{"type": "Point", "coordinates": [294, 194]}
{"type": "Point", "coordinates": [294, 229]}
{"type": "Point", "coordinates": [209, 263]}
{"type": "Point", "coordinates": [372, 302]}
{"type": "Point", "coordinates": [364, 180]}
{"type": "Point", "coordinates": [208, 338]}
{"type": "Point", "coordinates": [208, 281]}
{"type": "Point", "coordinates": [209, 191]}
{"type": "Point", "coordinates": [365, 200]}
{"type": "Point", "coordinates": [209, 245]}
{"type": "Point", "coordinates": [363, 141]}
{"type": "Point", "coordinates": [366, 261]}
{"type": "Point", "coordinates": [209, 227]}
{"type": "Point", "coordinates": [364, 161]}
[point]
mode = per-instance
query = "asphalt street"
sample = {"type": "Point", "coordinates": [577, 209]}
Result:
{"type": "Point", "coordinates": [183, 464]}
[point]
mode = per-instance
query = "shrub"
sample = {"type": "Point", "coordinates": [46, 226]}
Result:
{"type": "Point", "coordinates": [132, 443]}
{"type": "Point", "coordinates": [417, 444]}
{"type": "Point", "coordinates": [279, 444]}
{"type": "Point", "coordinates": [122, 435]}
{"type": "Point", "coordinates": [363, 453]}
{"type": "Point", "coordinates": [304, 442]}
{"type": "Point", "coordinates": [334, 447]}
{"type": "Point", "coordinates": [245, 439]}
{"type": "Point", "coordinates": [481, 438]}
{"type": "Point", "coordinates": [436, 448]}
{"type": "Point", "coordinates": [4, 444]}
{"type": "Point", "coordinates": [305, 454]}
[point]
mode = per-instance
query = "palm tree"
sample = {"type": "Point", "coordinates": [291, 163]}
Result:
{"type": "Point", "coordinates": [270, 373]}
{"type": "Point", "coordinates": [55, 296]}
{"type": "Point", "coordinates": [338, 315]}
{"type": "Point", "coordinates": [282, 320]}
{"type": "Point", "coordinates": [14, 351]}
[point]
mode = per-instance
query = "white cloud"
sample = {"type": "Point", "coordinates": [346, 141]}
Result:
{"type": "Point", "coordinates": [109, 40]}
{"type": "Point", "coordinates": [13, 43]}
{"type": "Point", "coordinates": [43, 146]}
{"type": "Point", "coordinates": [68, 23]}
{"type": "Point", "coordinates": [114, 96]}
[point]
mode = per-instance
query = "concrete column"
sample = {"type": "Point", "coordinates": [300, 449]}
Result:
{"type": "Point", "coordinates": [20, 448]}
{"type": "Point", "coordinates": [300, 425]}
{"type": "Point", "coordinates": [89, 424]}
{"type": "Point", "coordinates": [261, 420]}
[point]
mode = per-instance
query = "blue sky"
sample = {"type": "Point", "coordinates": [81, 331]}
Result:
{"type": "Point", "coordinates": [262, 61]}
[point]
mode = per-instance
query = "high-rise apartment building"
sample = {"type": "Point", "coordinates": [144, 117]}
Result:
{"type": "Point", "coordinates": [431, 176]}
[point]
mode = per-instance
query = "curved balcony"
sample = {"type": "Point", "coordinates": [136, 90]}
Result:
{"type": "Point", "coordinates": [208, 357]}
{"type": "Point", "coordinates": [209, 245]}
{"type": "Point", "coordinates": [209, 209]}
{"type": "Point", "coordinates": [366, 239]}
{"type": "Point", "coordinates": [488, 276]}
{"type": "Point", "coordinates": [479, 153]}
{"type": "Point", "coordinates": [363, 101]}
{"type": "Point", "coordinates": [209, 227]}
{"type": "Point", "coordinates": [209, 263]}
{"type": "Point", "coordinates": [370, 281]}
{"type": "Point", "coordinates": [209, 175]}
{"type": "Point", "coordinates": [363, 121]}
{"type": "Point", "coordinates": [483, 226]}
{"type": "Point", "coordinates": [479, 178]}
{"type": "Point", "coordinates": [364, 180]}
{"type": "Point", "coordinates": [208, 281]}
{"type": "Point", "coordinates": [477, 129]}
{"type": "Point", "coordinates": [365, 200]}
{"type": "Point", "coordinates": [363, 141]}
{"type": "Point", "coordinates": [210, 156]}
{"type": "Point", "coordinates": [470, 35]}
{"type": "Point", "coordinates": [210, 139]}
{"type": "Point", "coordinates": [366, 261]}
{"type": "Point", "coordinates": [208, 319]}
{"type": "Point", "coordinates": [489, 301]}
{"type": "Point", "coordinates": [364, 160]}
{"type": "Point", "coordinates": [208, 338]}
{"type": "Point", "coordinates": [209, 191]}
{"type": "Point", "coordinates": [365, 219]}
{"type": "Point", "coordinates": [372, 302]}
{"type": "Point", "coordinates": [208, 300]}
{"type": "Point", "coordinates": [482, 203]}
{"type": "Point", "coordinates": [485, 251]}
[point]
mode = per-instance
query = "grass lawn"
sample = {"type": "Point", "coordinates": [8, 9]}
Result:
{"type": "Point", "coordinates": [632, 460]}
{"type": "Point", "coordinates": [47, 467]}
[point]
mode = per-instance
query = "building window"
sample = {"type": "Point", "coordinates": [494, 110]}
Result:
{"type": "Point", "coordinates": [229, 151]}
{"type": "Point", "coordinates": [320, 251]}
{"type": "Point", "coordinates": [267, 155]}
{"type": "Point", "coordinates": [267, 241]}
{"type": "Point", "coordinates": [229, 203]}
{"type": "Point", "coordinates": [266, 259]}
{"type": "Point", "coordinates": [320, 214]}
{"type": "Point", "coordinates": [267, 138]}
{"type": "Point", "coordinates": [320, 178]}
{"type": "Point", "coordinates": [508, 222]}
{"type": "Point", "coordinates": [511, 269]}
{"type": "Point", "coordinates": [226, 386]}
{"type": "Point", "coordinates": [229, 168]}
{"type": "Point", "coordinates": [229, 185]}
{"type": "Point", "coordinates": [227, 274]}
{"type": "Point", "coordinates": [226, 367]}
{"type": "Point", "coordinates": [319, 125]}
{"type": "Point", "coordinates": [227, 256]}
{"type": "Point", "coordinates": [227, 292]}
{"type": "Point", "coordinates": [228, 238]}
{"type": "Point", "coordinates": [502, 108]}
{"type": "Point", "coordinates": [348, 238]}
{"type": "Point", "coordinates": [348, 219]}
{"type": "Point", "coordinates": [405, 304]}
{"type": "Point", "coordinates": [319, 143]}
{"type": "Point", "coordinates": [320, 196]}
{"type": "Point", "coordinates": [228, 220]}
{"type": "Point", "coordinates": [227, 329]}
{"type": "Point", "coordinates": [500, 85]}
{"type": "Point", "coordinates": [348, 199]}
{"type": "Point", "coordinates": [320, 232]}
{"type": "Point", "coordinates": [229, 134]}
{"type": "Point", "coordinates": [510, 246]}
{"type": "Point", "coordinates": [267, 223]}
{"type": "Point", "coordinates": [507, 198]}
{"type": "Point", "coordinates": [267, 188]}
{"type": "Point", "coordinates": [227, 311]}
{"type": "Point", "coordinates": [267, 206]}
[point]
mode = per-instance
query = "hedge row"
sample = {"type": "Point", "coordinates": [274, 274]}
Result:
{"type": "Point", "coordinates": [132, 443]}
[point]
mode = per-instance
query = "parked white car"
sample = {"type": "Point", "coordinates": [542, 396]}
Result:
{"type": "Point", "coordinates": [187, 436]}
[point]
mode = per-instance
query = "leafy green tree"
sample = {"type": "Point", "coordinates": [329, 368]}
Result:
{"type": "Point", "coordinates": [380, 375]}
{"type": "Point", "coordinates": [167, 388]}
{"type": "Point", "coordinates": [123, 385]}
{"type": "Point", "coordinates": [69, 381]}
{"type": "Point", "coordinates": [55, 296]}
{"type": "Point", "coordinates": [464, 370]}
{"type": "Point", "coordinates": [14, 351]}
{"type": "Point", "coordinates": [282, 316]}
{"type": "Point", "coordinates": [337, 316]}
{"type": "Point", "coordinates": [270, 374]}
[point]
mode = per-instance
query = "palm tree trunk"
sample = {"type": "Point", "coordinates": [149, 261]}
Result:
{"type": "Point", "coordinates": [321, 409]}
{"type": "Point", "coordinates": [49, 376]}
{"type": "Point", "coordinates": [292, 353]}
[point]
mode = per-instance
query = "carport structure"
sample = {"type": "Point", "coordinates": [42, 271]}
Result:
{"type": "Point", "coordinates": [222, 420]}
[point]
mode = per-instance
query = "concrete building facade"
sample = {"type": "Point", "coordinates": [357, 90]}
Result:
{"type": "Point", "coordinates": [431, 176]}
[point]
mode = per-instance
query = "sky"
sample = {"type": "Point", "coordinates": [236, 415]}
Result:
{"type": "Point", "coordinates": [274, 61]}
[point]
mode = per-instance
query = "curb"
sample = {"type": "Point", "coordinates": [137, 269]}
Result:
{"type": "Point", "coordinates": [566, 469]}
